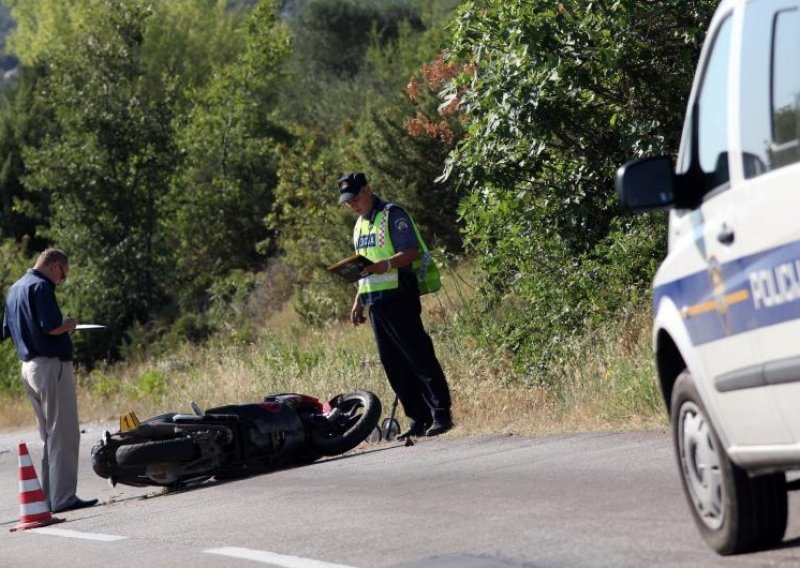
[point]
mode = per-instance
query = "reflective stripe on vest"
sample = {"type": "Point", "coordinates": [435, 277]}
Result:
{"type": "Point", "coordinates": [373, 280]}
{"type": "Point", "coordinates": [383, 248]}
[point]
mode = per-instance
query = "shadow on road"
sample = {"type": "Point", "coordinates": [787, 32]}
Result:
{"type": "Point", "coordinates": [791, 543]}
{"type": "Point", "coordinates": [230, 478]}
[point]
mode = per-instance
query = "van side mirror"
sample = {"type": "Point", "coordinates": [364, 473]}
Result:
{"type": "Point", "coordinates": [648, 183]}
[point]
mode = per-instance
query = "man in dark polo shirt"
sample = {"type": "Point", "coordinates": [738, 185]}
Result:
{"type": "Point", "coordinates": [40, 334]}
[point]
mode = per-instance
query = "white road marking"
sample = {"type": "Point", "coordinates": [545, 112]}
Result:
{"type": "Point", "coordinates": [272, 558]}
{"type": "Point", "coordinates": [76, 534]}
{"type": "Point", "coordinates": [262, 556]}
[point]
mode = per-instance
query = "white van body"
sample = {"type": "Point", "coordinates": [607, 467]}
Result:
{"type": "Point", "coordinates": [726, 298]}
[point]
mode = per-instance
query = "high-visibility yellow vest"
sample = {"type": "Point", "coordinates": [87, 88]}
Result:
{"type": "Point", "coordinates": [373, 240]}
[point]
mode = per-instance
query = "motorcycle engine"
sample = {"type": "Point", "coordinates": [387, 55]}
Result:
{"type": "Point", "coordinates": [162, 473]}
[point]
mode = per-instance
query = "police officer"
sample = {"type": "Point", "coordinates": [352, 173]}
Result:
{"type": "Point", "coordinates": [34, 323]}
{"type": "Point", "coordinates": [385, 234]}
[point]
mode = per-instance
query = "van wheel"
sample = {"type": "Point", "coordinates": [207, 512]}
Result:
{"type": "Point", "coordinates": [734, 512]}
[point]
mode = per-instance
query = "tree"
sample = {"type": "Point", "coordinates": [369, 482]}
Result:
{"type": "Point", "coordinates": [404, 145]}
{"type": "Point", "coordinates": [159, 152]}
{"type": "Point", "coordinates": [106, 164]}
{"type": "Point", "coordinates": [562, 94]}
{"type": "Point", "coordinates": [333, 36]}
{"type": "Point", "coordinates": [357, 122]}
{"type": "Point", "coordinates": [229, 143]}
{"type": "Point", "coordinates": [330, 75]}
{"type": "Point", "coordinates": [24, 214]}
{"type": "Point", "coordinates": [14, 260]}
{"type": "Point", "coordinates": [309, 228]}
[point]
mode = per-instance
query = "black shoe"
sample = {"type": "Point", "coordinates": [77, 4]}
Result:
{"type": "Point", "coordinates": [439, 427]}
{"type": "Point", "coordinates": [414, 429]}
{"type": "Point", "coordinates": [78, 504]}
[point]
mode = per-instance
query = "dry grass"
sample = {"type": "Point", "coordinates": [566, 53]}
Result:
{"type": "Point", "coordinates": [609, 384]}
{"type": "Point", "coordinates": [16, 413]}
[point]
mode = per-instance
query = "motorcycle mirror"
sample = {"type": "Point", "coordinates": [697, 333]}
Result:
{"type": "Point", "coordinates": [196, 407]}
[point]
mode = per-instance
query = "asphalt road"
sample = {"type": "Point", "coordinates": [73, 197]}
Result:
{"type": "Point", "coordinates": [583, 500]}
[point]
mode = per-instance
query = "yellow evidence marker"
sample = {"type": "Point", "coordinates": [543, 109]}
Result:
{"type": "Point", "coordinates": [128, 422]}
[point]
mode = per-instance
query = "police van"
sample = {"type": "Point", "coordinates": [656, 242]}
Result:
{"type": "Point", "coordinates": [726, 298]}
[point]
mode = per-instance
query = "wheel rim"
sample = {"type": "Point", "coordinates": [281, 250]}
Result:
{"type": "Point", "coordinates": [700, 464]}
{"type": "Point", "coordinates": [350, 412]}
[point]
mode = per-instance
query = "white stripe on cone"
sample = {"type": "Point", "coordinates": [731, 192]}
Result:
{"type": "Point", "coordinates": [26, 485]}
{"type": "Point", "coordinates": [25, 460]}
{"type": "Point", "coordinates": [29, 509]}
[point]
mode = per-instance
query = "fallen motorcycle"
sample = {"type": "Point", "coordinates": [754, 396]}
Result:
{"type": "Point", "coordinates": [284, 430]}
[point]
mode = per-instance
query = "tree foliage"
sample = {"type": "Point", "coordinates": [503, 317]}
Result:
{"type": "Point", "coordinates": [331, 73]}
{"type": "Point", "coordinates": [337, 34]}
{"type": "Point", "coordinates": [14, 260]}
{"type": "Point", "coordinates": [228, 142]}
{"type": "Point", "coordinates": [157, 166]}
{"type": "Point", "coordinates": [24, 214]}
{"type": "Point", "coordinates": [404, 144]}
{"type": "Point", "coordinates": [310, 229]}
{"type": "Point", "coordinates": [176, 148]}
{"type": "Point", "coordinates": [107, 163]}
{"type": "Point", "coordinates": [358, 122]}
{"type": "Point", "coordinates": [561, 95]}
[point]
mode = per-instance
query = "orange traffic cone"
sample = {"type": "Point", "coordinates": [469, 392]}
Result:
{"type": "Point", "coordinates": [33, 509]}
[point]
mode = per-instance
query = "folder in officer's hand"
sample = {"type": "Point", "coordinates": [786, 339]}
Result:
{"type": "Point", "coordinates": [351, 268]}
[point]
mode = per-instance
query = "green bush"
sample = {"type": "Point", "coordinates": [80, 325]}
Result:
{"type": "Point", "coordinates": [153, 384]}
{"type": "Point", "coordinates": [561, 95]}
{"type": "Point", "coordinates": [317, 306]}
{"type": "Point", "coordinates": [104, 386]}
{"type": "Point", "coordinates": [14, 261]}
{"type": "Point", "coordinates": [10, 376]}
{"type": "Point", "coordinates": [228, 296]}
{"type": "Point", "coordinates": [194, 328]}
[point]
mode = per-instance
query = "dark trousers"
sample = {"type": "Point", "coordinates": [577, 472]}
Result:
{"type": "Point", "coordinates": [408, 357]}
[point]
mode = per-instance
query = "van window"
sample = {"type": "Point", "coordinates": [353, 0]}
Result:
{"type": "Point", "coordinates": [712, 108]}
{"type": "Point", "coordinates": [770, 87]}
{"type": "Point", "coordinates": [786, 89]}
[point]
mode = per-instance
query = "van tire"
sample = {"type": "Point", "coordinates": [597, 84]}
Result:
{"type": "Point", "coordinates": [733, 511]}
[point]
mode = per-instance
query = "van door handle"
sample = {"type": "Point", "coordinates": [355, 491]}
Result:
{"type": "Point", "coordinates": [726, 235]}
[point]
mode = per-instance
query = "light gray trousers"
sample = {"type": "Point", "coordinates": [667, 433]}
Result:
{"type": "Point", "coordinates": [50, 386]}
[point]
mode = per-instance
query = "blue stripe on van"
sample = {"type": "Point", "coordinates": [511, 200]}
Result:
{"type": "Point", "coordinates": [741, 295]}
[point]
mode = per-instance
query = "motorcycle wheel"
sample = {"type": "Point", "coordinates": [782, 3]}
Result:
{"type": "Point", "coordinates": [359, 412]}
{"type": "Point", "coordinates": [157, 451]}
